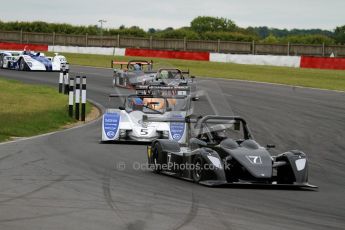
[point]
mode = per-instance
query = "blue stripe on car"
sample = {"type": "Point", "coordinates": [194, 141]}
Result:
{"type": "Point", "coordinates": [45, 61]}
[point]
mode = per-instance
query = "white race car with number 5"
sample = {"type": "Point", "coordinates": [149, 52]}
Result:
{"type": "Point", "coordinates": [26, 60]}
{"type": "Point", "coordinates": [126, 123]}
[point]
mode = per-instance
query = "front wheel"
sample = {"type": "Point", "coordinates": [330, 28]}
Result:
{"type": "Point", "coordinates": [22, 65]}
{"type": "Point", "coordinates": [157, 155]}
{"type": "Point", "coordinates": [114, 82]}
{"type": "Point", "coordinates": [198, 170]}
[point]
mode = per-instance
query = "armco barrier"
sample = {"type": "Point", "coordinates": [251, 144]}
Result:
{"type": "Point", "coordinates": [17, 46]}
{"type": "Point", "coordinates": [323, 63]}
{"type": "Point", "coordinates": [199, 56]}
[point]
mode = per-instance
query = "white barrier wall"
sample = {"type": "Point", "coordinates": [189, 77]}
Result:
{"type": "Point", "coordinates": [88, 50]}
{"type": "Point", "coordinates": [288, 61]}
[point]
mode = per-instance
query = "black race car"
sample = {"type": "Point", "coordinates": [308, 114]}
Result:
{"type": "Point", "coordinates": [175, 77]}
{"type": "Point", "coordinates": [221, 150]}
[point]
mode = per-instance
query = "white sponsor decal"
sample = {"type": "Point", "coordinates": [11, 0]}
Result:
{"type": "Point", "coordinates": [254, 160]}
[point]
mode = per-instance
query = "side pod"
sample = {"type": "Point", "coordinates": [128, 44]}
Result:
{"type": "Point", "coordinates": [110, 125]}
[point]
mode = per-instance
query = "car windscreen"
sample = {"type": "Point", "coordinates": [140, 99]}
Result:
{"type": "Point", "coordinates": [217, 130]}
{"type": "Point", "coordinates": [149, 105]}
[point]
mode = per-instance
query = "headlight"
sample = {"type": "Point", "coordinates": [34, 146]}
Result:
{"type": "Point", "coordinates": [215, 161]}
{"type": "Point", "coordinates": [300, 164]}
{"type": "Point", "coordinates": [123, 133]}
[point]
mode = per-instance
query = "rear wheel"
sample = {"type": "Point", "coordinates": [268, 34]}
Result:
{"type": "Point", "coordinates": [198, 170]}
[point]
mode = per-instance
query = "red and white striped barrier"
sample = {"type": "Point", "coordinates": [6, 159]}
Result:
{"type": "Point", "coordinates": [322, 63]}
{"type": "Point", "coordinates": [272, 60]}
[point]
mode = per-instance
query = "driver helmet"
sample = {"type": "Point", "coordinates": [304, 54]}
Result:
{"type": "Point", "coordinates": [164, 74]}
{"type": "Point", "coordinates": [219, 132]}
{"type": "Point", "coordinates": [136, 67]}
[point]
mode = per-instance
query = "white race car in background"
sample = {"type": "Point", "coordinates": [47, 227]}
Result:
{"type": "Point", "coordinates": [126, 123]}
{"type": "Point", "coordinates": [27, 60]}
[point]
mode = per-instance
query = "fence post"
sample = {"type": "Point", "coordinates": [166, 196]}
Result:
{"type": "Point", "coordinates": [83, 98]}
{"type": "Point", "coordinates": [288, 49]}
{"type": "Point", "coordinates": [253, 47]}
{"type": "Point", "coordinates": [70, 98]}
{"type": "Point", "coordinates": [218, 46]}
{"type": "Point", "coordinates": [86, 40]}
{"type": "Point", "coordinates": [118, 40]}
{"type": "Point", "coordinates": [323, 49]}
{"type": "Point", "coordinates": [77, 97]}
{"type": "Point", "coordinates": [53, 38]}
{"type": "Point", "coordinates": [21, 36]}
{"type": "Point", "coordinates": [151, 42]}
{"type": "Point", "coordinates": [61, 76]}
{"type": "Point", "coordinates": [184, 43]}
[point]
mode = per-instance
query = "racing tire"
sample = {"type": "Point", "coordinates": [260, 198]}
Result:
{"type": "Point", "coordinates": [22, 65]}
{"type": "Point", "coordinates": [285, 175]}
{"type": "Point", "coordinates": [114, 82]}
{"type": "Point", "coordinates": [198, 170]}
{"type": "Point", "coordinates": [1, 62]}
{"type": "Point", "coordinates": [157, 158]}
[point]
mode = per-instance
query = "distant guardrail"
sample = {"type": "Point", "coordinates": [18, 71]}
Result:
{"type": "Point", "coordinates": [218, 46]}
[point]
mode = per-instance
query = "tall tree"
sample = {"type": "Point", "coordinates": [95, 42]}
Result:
{"type": "Point", "coordinates": [339, 34]}
{"type": "Point", "coordinates": [204, 24]}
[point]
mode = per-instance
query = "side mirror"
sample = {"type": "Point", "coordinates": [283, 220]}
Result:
{"type": "Point", "coordinates": [270, 146]}
{"type": "Point", "coordinates": [198, 142]}
{"type": "Point", "coordinates": [122, 108]}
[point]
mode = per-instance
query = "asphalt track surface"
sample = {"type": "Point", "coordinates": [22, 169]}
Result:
{"type": "Point", "coordinates": [68, 180]}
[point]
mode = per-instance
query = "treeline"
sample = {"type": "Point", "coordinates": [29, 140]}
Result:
{"type": "Point", "coordinates": [201, 28]}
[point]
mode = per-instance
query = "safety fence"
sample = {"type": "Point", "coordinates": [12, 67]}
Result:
{"type": "Point", "coordinates": [217, 46]}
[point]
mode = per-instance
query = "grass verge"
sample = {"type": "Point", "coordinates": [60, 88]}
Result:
{"type": "Point", "coordinates": [324, 79]}
{"type": "Point", "coordinates": [27, 110]}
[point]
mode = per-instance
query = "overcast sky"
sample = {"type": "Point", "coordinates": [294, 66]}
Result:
{"type": "Point", "coordinates": [304, 14]}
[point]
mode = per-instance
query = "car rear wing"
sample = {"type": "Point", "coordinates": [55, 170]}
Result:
{"type": "Point", "coordinates": [209, 119]}
{"type": "Point", "coordinates": [159, 87]}
{"type": "Point", "coordinates": [127, 63]}
{"type": "Point", "coordinates": [147, 96]}
{"type": "Point", "coordinates": [151, 89]}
